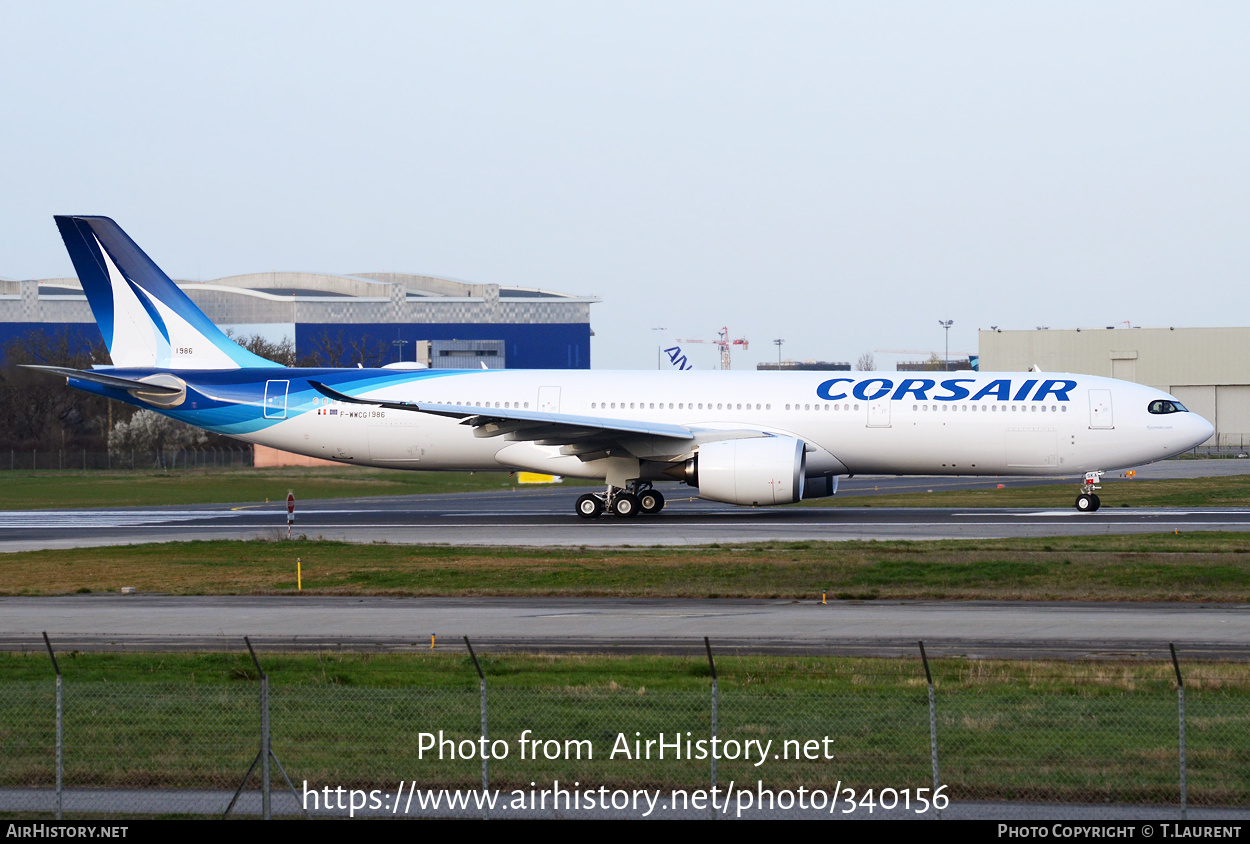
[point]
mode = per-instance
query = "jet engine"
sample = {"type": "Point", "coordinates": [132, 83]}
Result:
{"type": "Point", "coordinates": [759, 471]}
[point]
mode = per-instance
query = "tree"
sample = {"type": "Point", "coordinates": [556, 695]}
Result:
{"type": "Point", "coordinates": [345, 350]}
{"type": "Point", "coordinates": [38, 411]}
{"type": "Point", "coordinates": [149, 431]}
{"type": "Point", "coordinates": [282, 351]}
{"type": "Point", "coordinates": [866, 363]}
{"type": "Point", "coordinates": [934, 363]}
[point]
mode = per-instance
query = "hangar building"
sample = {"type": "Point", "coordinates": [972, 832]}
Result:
{"type": "Point", "coordinates": [341, 320]}
{"type": "Point", "coordinates": [1208, 369]}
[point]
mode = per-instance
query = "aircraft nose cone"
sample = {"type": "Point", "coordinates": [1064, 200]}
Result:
{"type": "Point", "coordinates": [1203, 430]}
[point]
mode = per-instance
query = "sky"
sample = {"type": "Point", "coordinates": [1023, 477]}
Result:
{"type": "Point", "coordinates": [841, 176]}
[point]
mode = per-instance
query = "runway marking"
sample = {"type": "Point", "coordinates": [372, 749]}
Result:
{"type": "Point", "coordinates": [1130, 514]}
{"type": "Point", "coordinates": [635, 526]}
{"type": "Point", "coordinates": [61, 519]}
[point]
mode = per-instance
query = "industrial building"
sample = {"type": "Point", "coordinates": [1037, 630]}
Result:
{"type": "Point", "coordinates": [342, 320]}
{"type": "Point", "coordinates": [806, 366]}
{"type": "Point", "coordinates": [1208, 369]}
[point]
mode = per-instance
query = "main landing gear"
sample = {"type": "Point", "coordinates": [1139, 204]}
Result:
{"type": "Point", "coordinates": [1088, 501]}
{"type": "Point", "coordinates": [640, 497]}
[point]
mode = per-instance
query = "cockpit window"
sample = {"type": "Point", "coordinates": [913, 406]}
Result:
{"type": "Point", "coordinates": [1165, 406]}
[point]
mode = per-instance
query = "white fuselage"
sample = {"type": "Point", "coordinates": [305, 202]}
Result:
{"type": "Point", "coordinates": [860, 423]}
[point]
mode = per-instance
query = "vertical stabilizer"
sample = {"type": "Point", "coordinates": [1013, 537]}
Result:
{"type": "Point", "coordinates": [145, 319]}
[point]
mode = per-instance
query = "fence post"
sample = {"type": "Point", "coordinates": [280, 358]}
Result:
{"type": "Point", "coordinates": [60, 724]}
{"type": "Point", "coordinates": [485, 755]}
{"type": "Point", "coordinates": [933, 747]}
{"type": "Point", "coordinates": [715, 700]}
{"type": "Point", "coordinates": [1180, 707]}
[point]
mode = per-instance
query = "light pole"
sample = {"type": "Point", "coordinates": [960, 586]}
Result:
{"type": "Point", "coordinates": [399, 346]}
{"type": "Point", "coordinates": [947, 323]}
{"type": "Point", "coordinates": [660, 346]}
{"type": "Point", "coordinates": [778, 343]}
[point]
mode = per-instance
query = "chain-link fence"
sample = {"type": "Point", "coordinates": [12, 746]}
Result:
{"type": "Point", "coordinates": [223, 457]}
{"type": "Point", "coordinates": [904, 737]}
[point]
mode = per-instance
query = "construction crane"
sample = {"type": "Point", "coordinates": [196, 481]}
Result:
{"type": "Point", "coordinates": [724, 342]}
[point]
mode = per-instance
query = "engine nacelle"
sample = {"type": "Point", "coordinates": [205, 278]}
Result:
{"type": "Point", "coordinates": [760, 470]}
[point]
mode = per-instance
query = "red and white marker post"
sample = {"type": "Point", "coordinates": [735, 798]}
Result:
{"type": "Point", "coordinates": [290, 513]}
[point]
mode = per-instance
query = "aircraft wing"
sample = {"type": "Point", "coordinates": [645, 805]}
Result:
{"type": "Point", "coordinates": [584, 436]}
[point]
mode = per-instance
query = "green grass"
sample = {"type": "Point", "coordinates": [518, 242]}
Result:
{"type": "Point", "coordinates": [27, 490]}
{"type": "Point", "coordinates": [1225, 491]}
{"type": "Point", "coordinates": [1086, 731]}
{"type": "Point", "coordinates": [1168, 567]}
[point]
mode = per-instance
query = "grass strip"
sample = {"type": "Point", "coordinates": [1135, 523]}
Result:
{"type": "Point", "coordinates": [1169, 567]}
{"type": "Point", "coordinates": [1224, 491]}
{"type": "Point", "coordinates": [1086, 731]}
{"type": "Point", "coordinates": [27, 490]}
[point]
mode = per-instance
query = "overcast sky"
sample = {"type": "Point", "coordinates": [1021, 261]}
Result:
{"type": "Point", "coordinates": [840, 175]}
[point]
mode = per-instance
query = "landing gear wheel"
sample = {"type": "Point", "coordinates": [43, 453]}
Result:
{"type": "Point", "coordinates": [1097, 501]}
{"type": "Point", "coordinates": [589, 506]}
{"type": "Point", "coordinates": [625, 505]}
{"type": "Point", "coordinates": [650, 502]}
{"type": "Point", "coordinates": [1086, 503]}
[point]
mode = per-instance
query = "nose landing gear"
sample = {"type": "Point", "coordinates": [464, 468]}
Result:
{"type": "Point", "coordinates": [1088, 501]}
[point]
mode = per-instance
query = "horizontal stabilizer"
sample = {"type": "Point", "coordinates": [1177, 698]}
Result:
{"type": "Point", "coordinates": [107, 380]}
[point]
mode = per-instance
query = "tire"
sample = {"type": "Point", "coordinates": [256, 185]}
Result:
{"type": "Point", "coordinates": [625, 505]}
{"type": "Point", "coordinates": [650, 502]}
{"type": "Point", "coordinates": [1085, 503]}
{"type": "Point", "coordinates": [589, 507]}
{"type": "Point", "coordinates": [1097, 501]}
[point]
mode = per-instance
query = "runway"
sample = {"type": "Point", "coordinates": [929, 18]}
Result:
{"type": "Point", "coordinates": [884, 628]}
{"type": "Point", "coordinates": [544, 516]}
{"type": "Point", "coordinates": [539, 518]}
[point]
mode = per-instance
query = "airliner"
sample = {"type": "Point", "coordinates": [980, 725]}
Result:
{"type": "Point", "coordinates": [747, 438]}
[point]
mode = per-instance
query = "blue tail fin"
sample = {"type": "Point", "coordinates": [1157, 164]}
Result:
{"type": "Point", "coordinates": [145, 319]}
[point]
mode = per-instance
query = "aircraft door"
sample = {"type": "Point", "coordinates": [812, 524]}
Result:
{"type": "Point", "coordinates": [879, 412]}
{"type": "Point", "coordinates": [275, 399]}
{"type": "Point", "coordinates": [1100, 409]}
{"type": "Point", "coordinates": [549, 399]}
{"type": "Point", "coordinates": [395, 442]}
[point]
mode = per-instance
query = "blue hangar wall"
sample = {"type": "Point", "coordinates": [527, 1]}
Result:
{"type": "Point", "coordinates": [527, 345]}
{"type": "Point", "coordinates": [43, 341]}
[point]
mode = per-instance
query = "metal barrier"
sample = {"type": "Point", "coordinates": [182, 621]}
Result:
{"type": "Point", "coordinates": [168, 459]}
{"type": "Point", "coordinates": [1083, 739]}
